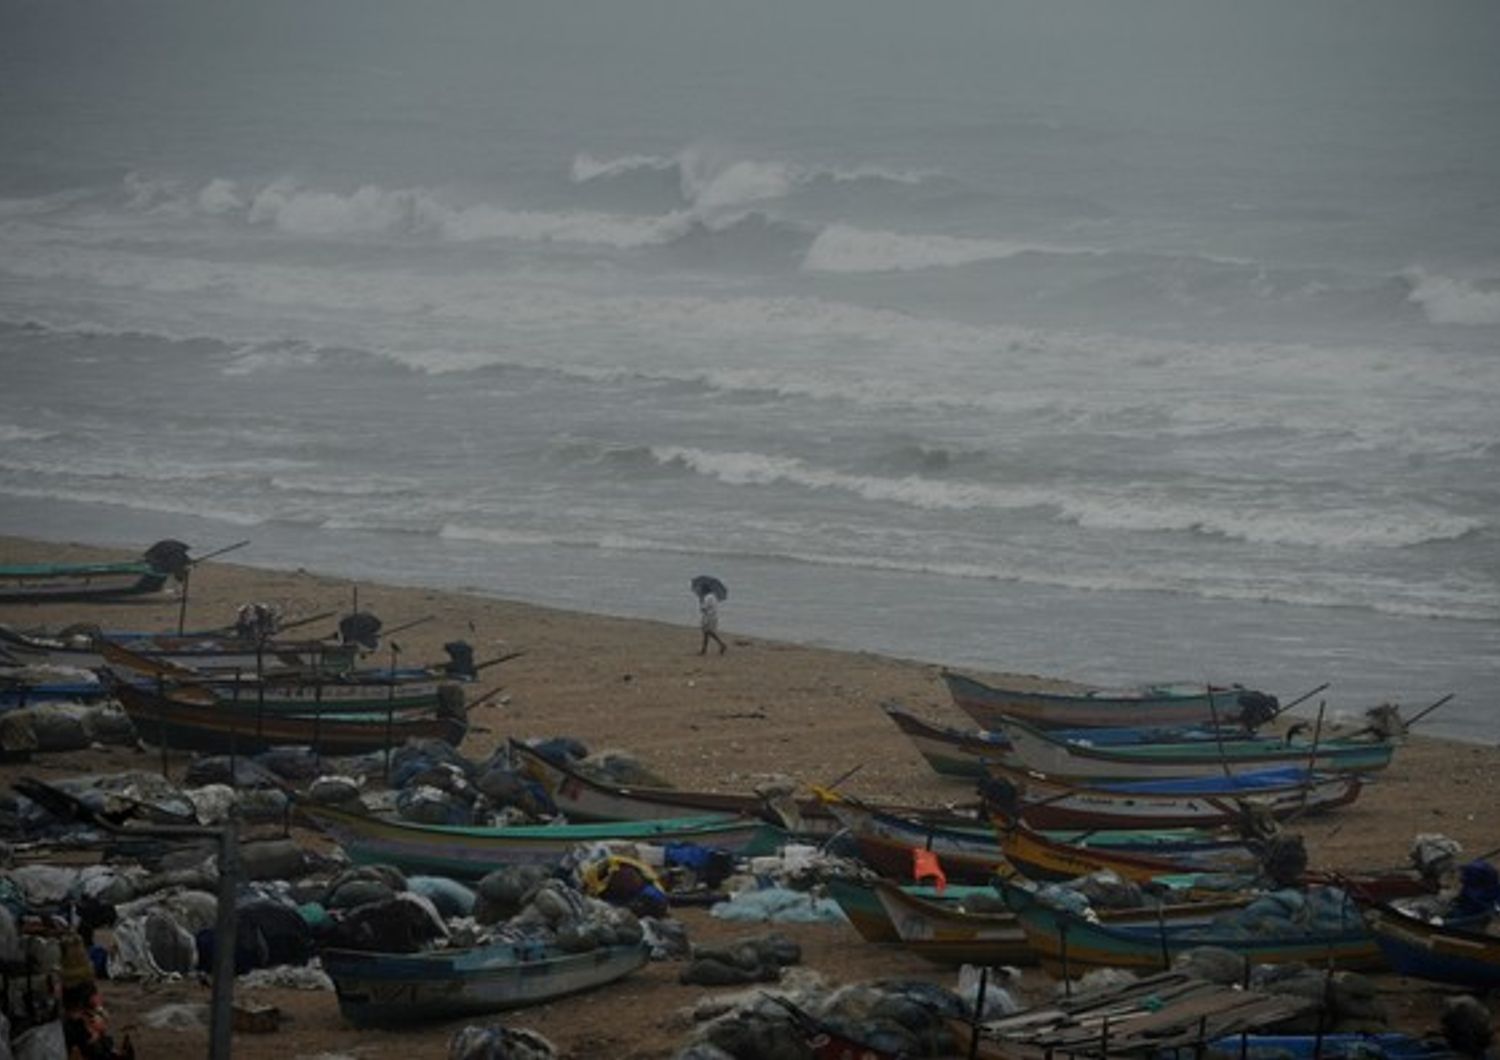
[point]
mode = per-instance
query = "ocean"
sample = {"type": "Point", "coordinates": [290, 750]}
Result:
{"type": "Point", "coordinates": [1126, 343]}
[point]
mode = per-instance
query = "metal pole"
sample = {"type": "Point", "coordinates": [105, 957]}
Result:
{"type": "Point", "coordinates": [221, 1024]}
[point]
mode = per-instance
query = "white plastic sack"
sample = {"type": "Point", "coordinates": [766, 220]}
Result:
{"type": "Point", "coordinates": [780, 905]}
{"type": "Point", "coordinates": [44, 1042]}
{"type": "Point", "coordinates": [997, 1000]}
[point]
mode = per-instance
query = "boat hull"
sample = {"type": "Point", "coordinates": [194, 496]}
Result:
{"type": "Point", "coordinates": [1044, 803]}
{"type": "Point", "coordinates": [469, 853]}
{"type": "Point", "coordinates": [1443, 954]}
{"type": "Point", "coordinates": [1035, 750]}
{"type": "Point", "coordinates": [1069, 945]}
{"type": "Point", "coordinates": [207, 725]}
{"type": "Point", "coordinates": [1169, 707]}
{"type": "Point", "coordinates": [386, 989]}
{"type": "Point", "coordinates": [49, 583]}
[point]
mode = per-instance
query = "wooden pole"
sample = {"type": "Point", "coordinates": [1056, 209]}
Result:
{"type": "Point", "coordinates": [183, 600]}
{"type": "Point", "coordinates": [1303, 698]}
{"type": "Point", "coordinates": [1418, 717]}
{"type": "Point", "coordinates": [221, 1024]}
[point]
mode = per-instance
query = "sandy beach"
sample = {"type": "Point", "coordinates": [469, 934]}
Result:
{"type": "Point", "coordinates": [724, 722]}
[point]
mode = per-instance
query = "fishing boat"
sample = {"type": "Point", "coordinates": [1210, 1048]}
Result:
{"type": "Point", "coordinates": [469, 852]}
{"type": "Point", "coordinates": [950, 752]}
{"type": "Point", "coordinates": [190, 718]}
{"type": "Point", "coordinates": [85, 649]}
{"type": "Point", "coordinates": [21, 687]}
{"type": "Point", "coordinates": [1197, 802]}
{"type": "Point", "coordinates": [1172, 705]}
{"type": "Point", "coordinates": [1069, 944]}
{"type": "Point", "coordinates": [1463, 955]}
{"type": "Point", "coordinates": [56, 582]}
{"type": "Point", "coordinates": [1146, 1017]}
{"type": "Point", "coordinates": [970, 852]}
{"type": "Point", "coordinates": [397, 989]}
{"type": "Point", "coordinates": [949, 932]}
{"type": "Point", "coordinates": [857, 900]}
{"type": "Point", "coordinates": [1040, 752]}
{"type": "Point", "coordinates": [966, 753]}
{"type": "Point", "coordinates": [945, 933]}
{"type": "Point", "coordinates": [581, 797]}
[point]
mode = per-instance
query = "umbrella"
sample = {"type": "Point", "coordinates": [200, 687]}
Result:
{"type": "Point", "coordinates": [707, 585]}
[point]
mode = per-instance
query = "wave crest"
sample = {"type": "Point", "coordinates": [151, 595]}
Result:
{"type": "Point", "coordinates": [1448, 301]}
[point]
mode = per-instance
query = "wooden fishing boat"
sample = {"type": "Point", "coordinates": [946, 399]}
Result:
{"type": "Point", "coordinates": [194, 719]}
{"type": "Point", "coordinates": [971, 852]}
{"type": "Point", "coordinates": [1144, 1018]}
{"type": "Point", "coordinates": [56, 582]}
{"type": "Point", "coordinates": [580, 797]}
{"type": "Point", "coordinates": [1045, 858]}
{"type": "Point", "coordinates": [85, 650]}
{"type": "Point", "coordinates": [1466, 956]}
{"type": "Point", "coordinates": [1171, 705]}
{"type": "Point", "coordinates": [1207, 802]}
{"type": "Point", "coordinates": [950, 752]}
{"type": "Point", "coordinates": [1038, 751]}
{"type": "Point", "coordinates": [857, 900]}
{"type": "Point", "coordinates": [950, 933]}
{"type": "Point", "coordinates": [22, 688]}
{"type": "Point", "coordinates": [468, 853]}
{"type": "Point", "coordinates": [396, 989]}
{"type": "Point", "coordinates": [1069, 944]}
{"type": "Point", "coordinates": [1389, 1046]}
{"type": "Point", "coordinates": [967, 753]}
{"type": "Point", "coordinates": [944, 933]}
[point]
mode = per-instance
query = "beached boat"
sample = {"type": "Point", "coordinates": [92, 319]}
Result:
{"type": "Point", "coordinates": [1069, 944]}
{"type": "Point", "coordinates": [951, 933]}
{"type": "Point", "coordinates": [1147, 1017]}
{"type": "Point", "coordinates": [1202, 802]}
{"type": "Point", "coordinates": [580, 797]}
{"type": "Point", "coordinates": [1046, 858]}
{"type": "Point", "coordinates": [188, 718]}
{"type": "Point", "coordinates": [86, 649]}
{"type": "Point", "coordinates": [858, 902]}
{"type": "Point", "coordinates": [950, 752]}
{"type": "Point", "coordinates": [20, 687]}
{"type": "Point", "coordinates": [1039, 751]}
{"type": "Point", "coordinates": [396, 989]}
{"type": "Point", "coordinates": [469, 852]}
{"type": "Point", "coordinates": [966, 753]}
{"type": "Point", "coordinates": [53, 582]}
{"type": "Point", "coordinates": [1159, 705]}
{"type": "Point", "coordinates": [1467, 956]}
{"type": "Point", "coordinates": [971, 852]}
{"type": "Point", "coordinates": [945, 933]}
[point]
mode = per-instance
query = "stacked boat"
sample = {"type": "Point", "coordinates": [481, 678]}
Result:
{"type": "Point", "coordinates": [1168, 792]}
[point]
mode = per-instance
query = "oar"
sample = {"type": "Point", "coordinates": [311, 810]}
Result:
{"type": "Point", "coordinates": [407, 625]}
{"type": "Point", "coordinates": [497, 660]}
{"type": "Point", "coordinates": [218, 552]}
{"type": "Point", "coordinates": [1299, 700]}
{"type": "Point", "coordinates": [491, 694]}
{"type": "Point", "coordinates": [1430, 709]}
{"type": "Point", "coordinates": [305, 621]}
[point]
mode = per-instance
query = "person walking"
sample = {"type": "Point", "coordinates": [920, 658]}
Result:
{"type": "Point", "coordinates": [708, 617]}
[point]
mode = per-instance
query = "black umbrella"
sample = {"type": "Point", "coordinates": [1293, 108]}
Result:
{"type": "Point", "coordinates": [708, 585]}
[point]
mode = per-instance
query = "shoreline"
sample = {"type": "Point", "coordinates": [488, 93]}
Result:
{"type": "Point", "coordinates": [766, 709]}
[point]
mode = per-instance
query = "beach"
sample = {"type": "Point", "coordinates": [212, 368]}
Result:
{"type": "Point", "coordinates": [763, 709]}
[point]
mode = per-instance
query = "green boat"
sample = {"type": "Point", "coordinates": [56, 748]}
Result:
{"type": "Point", "coordinates": [469, 852]}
